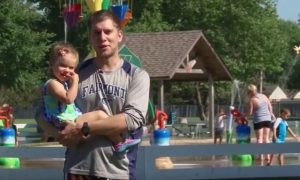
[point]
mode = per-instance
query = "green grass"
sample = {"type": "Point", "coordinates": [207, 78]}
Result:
{"type": "Point", "coordinates": [32, 137]}
{"type": "Point", "coordinates": [25, 121]}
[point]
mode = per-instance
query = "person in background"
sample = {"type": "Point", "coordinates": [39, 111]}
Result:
{"type": "Point", "coordinates": [220, 126]}
{"type": "Point", "coordinates": [280, 129]}
{"type": "Point", "coordinates": [260, 107]}
{"type": "Point", "coordinates": [121, 90]}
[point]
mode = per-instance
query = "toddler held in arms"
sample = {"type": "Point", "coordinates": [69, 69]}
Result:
{"type": "Point", "coordinates": [60, 91]}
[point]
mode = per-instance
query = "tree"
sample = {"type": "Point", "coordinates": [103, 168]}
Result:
{"type": "Point", "coordinates": [245, 34]}
{"type": "Point", "coordinates": [290, 75]}
{"type": "Point", "coordinates": [53, 22]}
{"type": "Point", "coordinates": [22, 49]}
{"type": "Point", "coordinates": [148, 17]}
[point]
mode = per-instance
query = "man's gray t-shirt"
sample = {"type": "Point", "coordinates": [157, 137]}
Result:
{"type": "Point", "coordinates": [124, 90]}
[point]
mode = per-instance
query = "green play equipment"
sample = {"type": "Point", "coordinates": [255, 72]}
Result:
{"type": "Point", "coordinates": [130, 57]}
{"type": "Point", "coordinates": [10, 162]}
{"type": "Point", "coordinates": [243, 136]}
{"type": "Point", "coordinates": [7, 138]}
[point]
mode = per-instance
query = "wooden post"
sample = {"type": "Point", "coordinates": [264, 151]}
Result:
{"type": "Point", "coordinates": [211, 115]}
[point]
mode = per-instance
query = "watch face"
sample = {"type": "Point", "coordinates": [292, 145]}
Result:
{"type": "Point", "coordinates": [85, 129]}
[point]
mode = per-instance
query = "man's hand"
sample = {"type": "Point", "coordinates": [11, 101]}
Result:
{"type": "Point", "coordinates": [70, 135]}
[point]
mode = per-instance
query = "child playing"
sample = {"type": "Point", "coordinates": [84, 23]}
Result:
{"type": "Point", "coordinates": [280, 132]}
{"type": "Point", "coordinates": [60, 91]}
{"type": "Point", "coordinates": [219, 126]}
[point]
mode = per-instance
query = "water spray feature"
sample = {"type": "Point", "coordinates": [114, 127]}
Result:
{"type": "Point", "coordinates": [242, 129]}
{"type": "Point", "coordinates": [289, 70]}
{"type": "Point", "coordinates": [235, 93]}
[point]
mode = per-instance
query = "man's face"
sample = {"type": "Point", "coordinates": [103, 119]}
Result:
{"type": "Point", "coordinates": [105, 38]}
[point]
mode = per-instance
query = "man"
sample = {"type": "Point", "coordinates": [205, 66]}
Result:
{"type": "Point", "coordinates": [115, 86]}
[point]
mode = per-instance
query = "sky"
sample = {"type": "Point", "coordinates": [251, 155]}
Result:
{"type": "Point", "coordinates": [288, 9]}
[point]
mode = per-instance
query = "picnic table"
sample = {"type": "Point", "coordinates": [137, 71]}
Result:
{"type": "Point", "coordinates": [183, 127]}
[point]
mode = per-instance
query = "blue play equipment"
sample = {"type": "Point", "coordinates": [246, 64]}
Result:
{"type": "Point", "coordinates": [8, 138]}
{"type": "Point", "coordinates": [243, 136]}
{"type": "Point", "coordinates": [161, 135]}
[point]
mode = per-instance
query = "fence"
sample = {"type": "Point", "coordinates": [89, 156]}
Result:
{"type": "Point", "coordinates": [146, 167]}
{"type": "Point", "coordinates": [187, 110]}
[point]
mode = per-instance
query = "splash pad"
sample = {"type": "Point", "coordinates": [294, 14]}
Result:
{"type": "Point", "coordinates": [243, 132]}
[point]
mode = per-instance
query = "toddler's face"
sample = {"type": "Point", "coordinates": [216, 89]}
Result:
{"type": "Point", "coordinates": [286, 115]}
{"type": "Point", "coordinates": [65, 67]}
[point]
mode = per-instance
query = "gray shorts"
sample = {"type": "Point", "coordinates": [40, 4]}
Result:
{"type": "Point", "coordinates": [219, 132]}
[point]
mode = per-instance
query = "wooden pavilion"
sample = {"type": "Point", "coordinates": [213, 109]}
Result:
{"type": "Point", "coordinates": [179, 56]}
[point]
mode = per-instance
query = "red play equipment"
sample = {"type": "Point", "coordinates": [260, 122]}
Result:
{"type": "Point", "coordinates": [160, 118]}
{"type": "Point", "coordinates": [239, 117]}
{"type": "Point", "coordinates": [5, 112]}
{"type": "Point", "coordinates": [7, 134]}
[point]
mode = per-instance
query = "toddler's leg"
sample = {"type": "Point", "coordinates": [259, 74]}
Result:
{"type": "Point", "coordinates": [127, 144]}
{"type": "Point", "coordinates": [48, 130]}
{"type": "Point", "coordinates": [122, 145]}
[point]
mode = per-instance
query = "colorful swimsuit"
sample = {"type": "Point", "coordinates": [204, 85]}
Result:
{"type": "Point", "coordinates": [54, 111]}
{"type": "Point", "coordinates": [281, 130]}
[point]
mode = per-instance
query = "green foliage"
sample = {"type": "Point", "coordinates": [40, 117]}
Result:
{"type": "Point", "coordinates": [290, 75]}
{"type": "Point", "coordinates": [150, 17]}
{"type": "Point", "coordinates": [53, 22]}
{"type": "Point", "coordinates": [22, 49]}
{"type": "Point", "coordinates": [247, 35]}
{"type": "Point", "coordinates": [180, 93]}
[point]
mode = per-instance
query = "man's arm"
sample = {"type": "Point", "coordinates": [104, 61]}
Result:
{"type": "Point", "coordinates": [134, 111]}
{"type": "Point", "coordinates": [132, 117]}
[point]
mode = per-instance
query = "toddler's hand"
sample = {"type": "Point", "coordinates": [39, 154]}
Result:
{"type": "Point", "coordinates": [74, 78]}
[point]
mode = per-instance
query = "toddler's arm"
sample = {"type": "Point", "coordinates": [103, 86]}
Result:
{"type": "Point", "coordinates": [292, 133]}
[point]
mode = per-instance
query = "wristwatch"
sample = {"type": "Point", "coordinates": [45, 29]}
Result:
{"type": "Point", "coordinates": [85, 130]}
